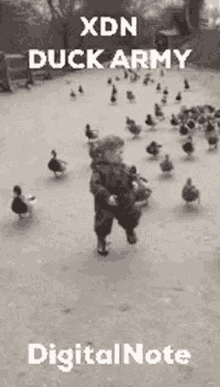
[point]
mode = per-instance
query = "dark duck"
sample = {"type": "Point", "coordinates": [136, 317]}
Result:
{"type": "Point", "coordinates": [190, 193]}
{"type": "Point", "coordinates": [166, 165]}
{"type": "Point", "coordinates": [186, 84]}
{"type": "Point", "coordinates": [153, 149]}
{"type": "Point", "coordinates": [158, 88]}
{"type": "Point", "coordinates": [21, 205]}
{"type": "Point", "coordinates": [179, 97]}
{"type": "Point", "coordinates": [91, 134]}
{"type": "Point", "coordinates": [130, 96]}
{"type": "Point", "coordinates": [150, 121]}
{"type": "Point", "coordinates": [158, 111]}
{"type": "Point", "coordinates": [81, 91]}
{"type": "Point", "coordinates": [213, 140]}
{"type": "Point", "coordinates": [174, 121]}
{"type": "Point", "coordinates": [183, 130]}
{"type": "Point", "coordinates": [188, 146]}
{"type": "Point", "coordinates": [55, 165]}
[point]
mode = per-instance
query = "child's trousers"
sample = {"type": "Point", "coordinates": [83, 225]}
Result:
{"type": "Point", "coordinates": [104, 220]}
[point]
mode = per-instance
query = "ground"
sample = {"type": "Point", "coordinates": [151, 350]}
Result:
{"type": "Point", "coordinates": [55, 289]}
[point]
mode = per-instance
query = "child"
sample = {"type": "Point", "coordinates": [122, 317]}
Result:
{"type": "Point", "coordinates": [142, 191]}
{"type": "Point", "coordinates": [113, 187]}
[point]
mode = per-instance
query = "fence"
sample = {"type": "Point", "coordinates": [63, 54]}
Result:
{"type": "Point", "coordinates": [14, 69]}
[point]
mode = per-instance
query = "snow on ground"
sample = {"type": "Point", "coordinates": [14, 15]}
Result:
{"type": "Point", "coordinates": [54, 288]}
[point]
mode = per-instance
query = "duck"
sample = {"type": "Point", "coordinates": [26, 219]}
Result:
{"type": "Point", "coordinates": [201, 109]}
{"type": "Point", "coordinates": [114, 90]}
{"type": "Point", "coordinates": [135, 129]}
{"type": "Point", "coordinates": [81, 90]}
{"type": "Point", "coordinates": [183, 114]}
{"type": "Point", "coordinates": [158, 111]}
{"type": "Point", "coordinates": [209, 128]}
{"type": "Point", "coordinates": [109, 81]}
{"type": "Point", "coordinates": [91, 134]}
{"type": "Point", "coordinates": [150, 121]}
{"type": "Point", "coordinates": [191, 124]}
{"type": "Point", "coordinates": [113, 99]}
{"type": "Point", "coordinates": [137, 76]}
{"type": "Point", "coordinates": [195, 115]}
{"type": "Point", "coordinates": [179, 97]}
{"type": "Point", "coordinates": [164, 100]}
{"type": "Point", "coordinates": [133, 173]}
{"type": "Point", "coordinates": [21, 205]}
{"type": "Point", "coordinates": [139, 184]}
{"type": "Point", "coordinates": [28, 85]}
{"type": "Point", "coordinates": [188, 146]}
{"type": "Point", "coordinates": [217, 113]}
{"type": "Point", "coordinates": [209, 108]}
{"type": "Point", "coordinates": [182, 117]}
{"type": "Point", "coordinates": [72, 94]}
{"type": "Point", "coordinates": [142, 194]}
{"type": "Point", "coordinates": [134, 77]}
{"type": "Point", "coordinates": [153, 148]}
{"type": "Point", "coordinates": [183, 130]}
{"type": "Point", "coordinates": [201, 120]}
{"type": "Point", "coordinates": [166, 165]}
{"type": "Point", "coordinates": [56, 165]}
{"type": "Point", "coordinates": [146, 80]}
{"type": "Point", "coordinates": [166, 92]}
{"type": "Point", "coordinates": [129, 121]}
{"type": "Point", "coordinates": [47, 76]}
{"type": "Point", "coordinates": [213, 140]}
{"type": "Point", "coordinates": [130, 96]}
{"type": "Point", "coordinates": [189, 192]}
{"type": "Point", "coordinates": [186, 84]}
{"type": "Point", "coordinates": [174, 121]}
{"type": "Point", "coordinates": [158, 88]}
{"type": "Point", "coordinates": [218, 124]}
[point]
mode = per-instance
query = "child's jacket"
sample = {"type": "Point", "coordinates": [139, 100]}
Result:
{"type": "Point", "coordinates": [112, 179]}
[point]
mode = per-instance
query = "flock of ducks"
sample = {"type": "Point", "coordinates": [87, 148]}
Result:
{"type": "Point", "coordinates": [22, 205]}
{"type": "Point", "coordinates": [204, 118]}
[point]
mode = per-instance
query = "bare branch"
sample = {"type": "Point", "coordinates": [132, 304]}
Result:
{"type": "Point", "coordinates": [54, 13]}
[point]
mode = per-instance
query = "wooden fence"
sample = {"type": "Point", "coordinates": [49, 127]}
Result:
{"type": "Point", "coordinates": [14, 69]}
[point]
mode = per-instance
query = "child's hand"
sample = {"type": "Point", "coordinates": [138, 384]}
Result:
{"type": "Point", "coordinates": [135, 186]}
{"type": "Point", "coordinates": [112, 201]}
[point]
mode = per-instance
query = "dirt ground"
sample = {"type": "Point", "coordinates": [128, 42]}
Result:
{"type": "Point", "coordinates": [55, 289]}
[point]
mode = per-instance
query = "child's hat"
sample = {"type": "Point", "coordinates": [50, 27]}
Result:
{"type": "Point", "coordinates": [110, 143]}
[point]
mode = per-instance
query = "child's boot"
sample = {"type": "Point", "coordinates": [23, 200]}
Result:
{"type": "Point", "coordinates": [131, 237]}
{"type": "Point", "coordinates": [101, 248]}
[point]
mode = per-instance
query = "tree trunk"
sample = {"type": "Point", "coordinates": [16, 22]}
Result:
{"type": "Point", "coordinates": [65, 34]}
{"type": "Point", "coordinates": [193, 13]}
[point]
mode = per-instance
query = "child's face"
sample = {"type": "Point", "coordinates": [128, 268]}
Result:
{"type": "Point", "coordinates": [115, 156]}
{"type": "Point", "coordinates": [118, 155]}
